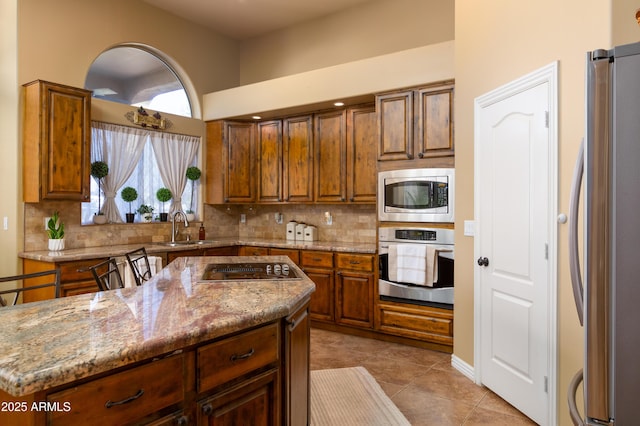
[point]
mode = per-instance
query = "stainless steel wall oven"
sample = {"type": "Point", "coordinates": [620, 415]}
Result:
{"type": "Point", "coordinates": [416, 265]}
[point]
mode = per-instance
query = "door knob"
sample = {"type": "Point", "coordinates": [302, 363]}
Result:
{"type": "Point", "coordinates": [483, 261]}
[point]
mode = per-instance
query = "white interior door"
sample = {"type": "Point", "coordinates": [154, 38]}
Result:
{"type": "Point", "coordinates": [512, 247]}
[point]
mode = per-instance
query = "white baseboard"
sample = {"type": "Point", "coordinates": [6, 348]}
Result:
{"type": "Point", "coordinates": [463, 367]}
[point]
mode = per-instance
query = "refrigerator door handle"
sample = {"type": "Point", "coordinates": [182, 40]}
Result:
{"type": "Point", "coordinates": [571, 399]}
{"type": "Point", "coordinates": [574, 257]}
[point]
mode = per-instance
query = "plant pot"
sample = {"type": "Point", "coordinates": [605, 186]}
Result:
{"type": "Point", "coordinates": [56, 245]}
{"type": "Point", "coordinates": [147, 217]}
{"type": "Point", "coordinates": [191, 217]}
{"type": "Point", "coordinates": [130, 217]}
{"type": "Point", "coordinates": [164, 217]}
{"type": "Point", "coordinates": [99, 219]}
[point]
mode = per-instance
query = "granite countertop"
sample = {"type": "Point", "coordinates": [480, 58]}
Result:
{"type": "Point", "coordinates": [58, 341]}
{"type": "Point", "coordinates": [158, 247]}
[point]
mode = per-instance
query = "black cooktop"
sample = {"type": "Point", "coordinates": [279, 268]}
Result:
{"type": "Point", "coordinates": [248, 271]}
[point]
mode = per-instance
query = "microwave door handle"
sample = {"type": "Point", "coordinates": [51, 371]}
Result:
{"type": "Point", "coordinates": [574, 259]}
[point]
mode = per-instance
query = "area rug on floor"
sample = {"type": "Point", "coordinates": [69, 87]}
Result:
{"type": "Point", "coordinates": [350, 397]}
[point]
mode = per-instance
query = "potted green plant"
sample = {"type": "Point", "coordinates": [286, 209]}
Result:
{"type": "Point", "coordinates": [129, 194]}
{"type": "Point", "coordinates": [193, 174]}
{"type": "Point", "coordinates": [146, 212]}
{"type": "Point", "coordinates": [55, 231]}
{"type": "Point", "coordinates": [163, 195]}
{"type": "Point", "coordinates": [99, 170]}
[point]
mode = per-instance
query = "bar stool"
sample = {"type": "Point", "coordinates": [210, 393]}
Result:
{"type": "Point", "coordinates": [51, 279]}
{"type": "Point", "coordinates": [107, 275]}
{"type": "Point", "coordinates": [139, 264]}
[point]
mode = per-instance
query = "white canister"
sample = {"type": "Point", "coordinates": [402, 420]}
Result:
{"type": "Point", "coordinates": [300, 231]}
{"type": "Point", "coordinates": [310, 233]}
{"type": "Point", "coordinates": [291, 230]}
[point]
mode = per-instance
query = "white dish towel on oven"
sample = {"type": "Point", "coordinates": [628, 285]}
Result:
{"type": "Point", "coordinates": [413, 264]}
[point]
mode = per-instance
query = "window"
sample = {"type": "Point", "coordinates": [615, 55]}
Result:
{"type": "Point", "coordinates": [133, 76]}
{"type": "Point", "coordinates": [135, 157]}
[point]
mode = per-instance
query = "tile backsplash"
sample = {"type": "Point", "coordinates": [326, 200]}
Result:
{"type": "Point", "coordinates": [351, 223]}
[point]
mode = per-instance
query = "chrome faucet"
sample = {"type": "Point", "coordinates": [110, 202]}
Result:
{"type": "Point", "coordinates": [174, 231]}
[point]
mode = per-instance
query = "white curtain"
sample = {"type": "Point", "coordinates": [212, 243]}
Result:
{"type": "Point", "coordinates": [174, 154]}
{"type": "Point", "coordinates": [120, 147]}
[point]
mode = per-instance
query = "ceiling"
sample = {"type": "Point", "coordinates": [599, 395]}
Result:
{"type": "Point", "coordinates": [244, 19]}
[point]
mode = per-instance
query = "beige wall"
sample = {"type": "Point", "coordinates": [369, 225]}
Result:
{"type": "Point", "coordinates": [58, 41]}
{"type": "Point", "coordinates": [9, 152]}
{"type": "Point", "coordinates": [371, 29]}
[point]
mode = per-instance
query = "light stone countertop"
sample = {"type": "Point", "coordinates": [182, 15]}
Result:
{"type": "Point", "coordinates": [157, 247]}
{"type": "Point", "coordinates": [55, 342]}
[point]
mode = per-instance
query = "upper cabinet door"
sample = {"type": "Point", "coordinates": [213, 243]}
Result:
{"type": "Point", "coordinates": [238, 162]}
{"type": "Point", "coordinates": [395, 125]}
{"type": "Point", "coordinates": [269, 177]}
{"type": "Point", "coordinates": [330, 156]}
{"type": "Point", "coordinates": [435, 124]}
{"type": "Point", "coordinates": [361, 154]}
{"type": "Point", "coordinates": [56, 143]}
{"type": "Point", "coordinates": [298, 159]}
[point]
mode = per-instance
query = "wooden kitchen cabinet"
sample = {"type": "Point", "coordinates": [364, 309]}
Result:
{"type": "Point", "coordinates": [220, 251]}
{"type": "Point", "coordinates": [330, 160]}
{"type": "Point", "coordinates": [293, 254]}
{"type": "Point", "coordinates": [230, 164]}
{"type": "Point", "coordinates": [416, 124]}
{"type": "Point", "coordinates": [355, 279]}
{"type": "Point", "coordinates": [423, 323]}
{"type": "Point", "coordinates": [122, 398]}
{"type": "Point", "coordinates": [253, 251]}
{"type": "Point", "coordinates": [295, 367]}
{"type": "Point", "coordinates": [285, 160]}
{"type": "Point", "coordinates": [361, 154]}
{"type": "Point", "coordinates": [318, 266]}
{"type": "Point", "coordinates": [269, 161]}
{"type": "Point", "coordinates": [251, 402]}
{"type": "Point", "coordinates": [75, 278]}
{"type": "Point", "coordinates": [297, 185]}
{"type": "Point", "coordinates": [56, 142]}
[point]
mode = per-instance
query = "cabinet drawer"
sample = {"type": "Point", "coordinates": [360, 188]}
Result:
{"type": "Point", "coordinates": [230, 358]}
{"type": "Point", "coordinates": [123, 397]}
{"type": "Point", "coordinates": [319, 259]}
{"type": "Point", "coordinates": [354, 262]}
{"type": "Point", "coordinates": [429, 324]}
{"type": "Point", "coordinates": [254, 251]}
{"type": "Point", "coordinates": [69, 270]}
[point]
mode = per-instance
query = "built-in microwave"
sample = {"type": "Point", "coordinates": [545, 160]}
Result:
{"type": "Point", "coordinates": [416, 195]}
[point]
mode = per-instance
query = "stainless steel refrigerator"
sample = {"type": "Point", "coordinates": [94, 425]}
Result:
{"type": "Point", "coordinates": [609, 302]}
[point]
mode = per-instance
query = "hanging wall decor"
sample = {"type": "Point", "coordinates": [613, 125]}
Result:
{"type": "Point", "coordinates": [144, 118]}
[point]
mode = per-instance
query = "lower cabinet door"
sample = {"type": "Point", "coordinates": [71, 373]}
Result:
{"type": "Point", "coordinates": [354, 299]}
{"type": "Point", "coordinates": [255, 401]}
{"type": "Point", "coordinates": [322, 300]}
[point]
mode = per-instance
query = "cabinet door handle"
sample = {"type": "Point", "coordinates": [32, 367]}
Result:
{"type": "Point", "coordinates": [294, 322]}
{"type": "Point", "coordinates": [207, 409]}
{"type": "Point", "coordinates": [420, 155]}
{"type": "Point", "coordinates": [110, 404]}
{"type": "Point", "coordinates": [236, 357]}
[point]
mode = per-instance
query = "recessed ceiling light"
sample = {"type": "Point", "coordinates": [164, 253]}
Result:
{"type": "Point", "coordinates": [256, 117]}
{"type": "Point", "coordinates": [338, 104]}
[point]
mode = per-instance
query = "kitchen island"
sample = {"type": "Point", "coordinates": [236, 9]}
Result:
{"type": "Point", "coordinates": [177, 349]}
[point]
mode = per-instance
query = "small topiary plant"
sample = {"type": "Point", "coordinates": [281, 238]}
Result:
{"type": "Point", "coordinates": [129, 195]}
{"type": "Point", "coordinates": [163, 195]}
{"type": "Point", "coordinates": [99, 170]}
{"type": "Point", "coordinates": [193, 174]}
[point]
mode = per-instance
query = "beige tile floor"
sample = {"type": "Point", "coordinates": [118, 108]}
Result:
{"type": "Point", "coordinates": [421, 383]}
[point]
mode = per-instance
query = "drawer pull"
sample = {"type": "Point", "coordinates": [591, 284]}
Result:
{"type": "Point", "coordinates": [236, 357]}
{"type": "Point", "coordinates": [354, 262]}
{"type": "Point", "coordinates": [110, 404]}
{"type": "Point", "coordinates": [316, 259]}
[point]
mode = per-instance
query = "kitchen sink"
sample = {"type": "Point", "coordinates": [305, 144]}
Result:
{"type": "Point", "coordinates": [177, 243]}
